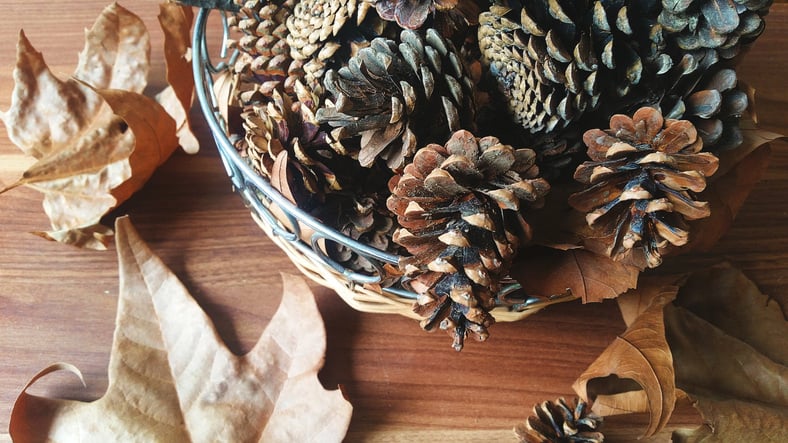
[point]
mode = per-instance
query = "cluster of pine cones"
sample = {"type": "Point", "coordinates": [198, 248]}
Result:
{"type": "Point", "coordinates": [432, 128]}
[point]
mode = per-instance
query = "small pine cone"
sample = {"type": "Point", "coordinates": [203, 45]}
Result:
{"type": "Point", "coordinates": [314, 23]}
{"type": "Point", "coordinates": [721, 25]}
{"type": "Point", "coordinates": [397, 97]}
{"type": "Point", "coordinates": [555, 61]}
{"type": "Point", "coordinates": [364, 219]}
{"type": "Point", "coordinates": [458, 207]}
{"type": "Point", "coordinates": [264, 60]}
{"type": "Point", "coordinates": [714, 105]}
{"type": "Point", "coordinates": [561, 422]}
{"type": "Point", "coordinates": [287, 123]}
{"type": "Point", "coordinates": [644, 176]}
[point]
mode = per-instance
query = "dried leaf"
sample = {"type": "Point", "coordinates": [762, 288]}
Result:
{"type": "Point", "coordinates": [171, 378]}
{"type": "Point", "coordinates": [639, 355]}
{"type": "Point", "coordinates": [753, 138]}
{"type": "Point", "coordinates": [224, 85]}
{"type": "Point", "coordinates": [116, 53]}
{"type": "Point", "coordinates": [280, 176]}
{"type": "Point", "coordinates": [633, 303]}
{"type": "Point", "coordinates": [89, 158]}
{"type": "Point", "coordinates": [96, 236]}
{"type": "Point", "coordinates": [730, 345]}
{"type": "Point", "coordinates": [82, 183]}
{"type": "Point", "coordinates": [736, 421]}
{"type": "Point", "coordinates": [113, 57]}
{"type": "Point", "coordinates": [176, 21]}
{"type": "Point", "coordinates": [589, 276]}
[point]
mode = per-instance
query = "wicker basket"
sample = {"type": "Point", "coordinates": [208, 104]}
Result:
{"type": "Point", "coordinates": [303, 237]}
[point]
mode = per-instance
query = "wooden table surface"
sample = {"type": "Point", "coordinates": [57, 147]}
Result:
{"type": "Point", "coordinates": [58, 303]}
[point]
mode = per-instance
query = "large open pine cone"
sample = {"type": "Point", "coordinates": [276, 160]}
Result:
{"type": "Point", "coordinates": [561, 422]}
{"type": "Point", "coordinates": [555, 60]}
{"type": "Point", "coordinates": [458, 206]}
{"type": "Point", "coordinates": [397, 97]}
{"type": "Point", "coordinates": [710, 99]}
{"type": "Point", "coordinates": [643, 177]}
{"type": "Point", "coordinates": [721, 25]}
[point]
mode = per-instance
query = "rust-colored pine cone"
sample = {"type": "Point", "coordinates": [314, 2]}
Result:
{"type": "Point", "coordinates": [561, 422]}
{"type": "Point", "coordinates": [392, 98]}
{"type": "Point", "coordinates": [643, 178]}
{"type": "Point", "coordinates": [458, 207]}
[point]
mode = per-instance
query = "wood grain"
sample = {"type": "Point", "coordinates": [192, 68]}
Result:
{"type": "Point", "coordinates": [58, 303]}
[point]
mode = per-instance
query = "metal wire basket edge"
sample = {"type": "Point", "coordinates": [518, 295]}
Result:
{"type": "Point", "coordinates": [260, 195]}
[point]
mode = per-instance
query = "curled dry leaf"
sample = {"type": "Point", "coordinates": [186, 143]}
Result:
{"type": "Point", "coordinates": [636, 370]}
{"type": "Point", "coordinates": [729, 351]}
{"type": "Point", "coordinates": [95, 137]}
{"type": "Point", "coordinates": [172, 379]}
{"type": "Point", "coordinates": [177, 98]}
{"type": "Point", "coordinates": [730, 346]}
{"type": "Point", "coordinates": [588, 276]}
{"type": "Point", "coordinates": [280, 176]}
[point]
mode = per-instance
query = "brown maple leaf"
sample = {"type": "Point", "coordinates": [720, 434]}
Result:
{"type": "Point", "coordinates": [172, 379]}
{"type": "Point", "coordinates": [583, 274]}
{"type": "Point", "coordinates": [95, 137]}
{"type": "Point", "coordinates": [711, 336]}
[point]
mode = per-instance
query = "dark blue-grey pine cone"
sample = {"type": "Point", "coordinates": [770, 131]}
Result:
{"type": "Point", "coordinates": [555, 61]}
{"type": "Point", "coordinates": [722, 25]}
{"type": "Point", "coordinates": [393, 97]}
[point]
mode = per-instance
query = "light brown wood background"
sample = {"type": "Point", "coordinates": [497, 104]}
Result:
{"type": "Point", "coordinates": [58, 303]}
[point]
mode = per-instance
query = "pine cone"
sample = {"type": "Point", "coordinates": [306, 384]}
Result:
{"type": "Point", "coordinates": [713, 104]}
{"type": "Point", "coordinates": [411, 14]}
{"type": "Point", "coordinates": [312, 25]}
{"type": "Point", "coordinates": [287, 123]}
{"type": "Point", "coordinates": [458, 207]}
{"type": "Point", "coordinates": [643, 177]}
{"type": "Point", "coordinates": [364, 219]}
{"type": "Point", "coordinates": [722, 25]}
{"type": "Point", "coordinates": [264, 60]}
{"type": "Point", "coordinates": [561, 422]}
{"type": "Point", "coordinates": [396, 97]}
{"type": "Point", "coordinates": [554, 61]}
